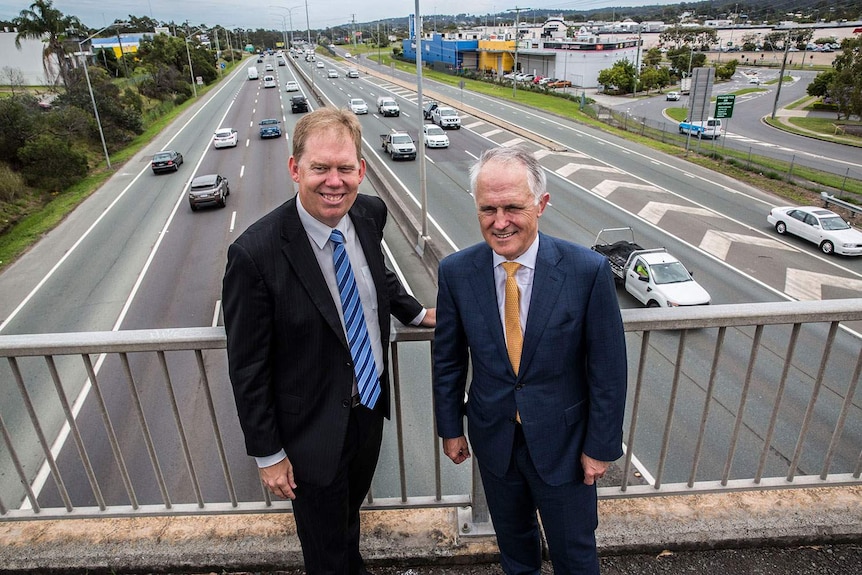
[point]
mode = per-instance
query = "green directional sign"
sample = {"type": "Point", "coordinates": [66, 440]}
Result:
{"type": "Point", "coordinates": [724, 106]}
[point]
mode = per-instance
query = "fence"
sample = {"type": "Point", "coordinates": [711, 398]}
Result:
{"type": "Point", "coordinates": [729, 397]}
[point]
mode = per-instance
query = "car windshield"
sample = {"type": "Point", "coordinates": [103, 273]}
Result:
{"type": "Point", "coordinates": [401, 139]}
{"type": "Point", "coordinates": [833, 224]}
{"type": "Point", "coordinates": [446, 112]}
{"type": "Point", "coordinates": [268, 122]}
{"type": "Point", "coordinates": [669, 273]}
{"type": "Point", "coordinates": [434, 131]}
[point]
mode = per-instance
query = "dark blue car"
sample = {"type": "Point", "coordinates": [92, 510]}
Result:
{"type": "Point", "coordinates": [269, 128]}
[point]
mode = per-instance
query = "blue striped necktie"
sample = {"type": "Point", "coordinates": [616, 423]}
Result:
{"type": "Point", "coordinates": [364, 367]}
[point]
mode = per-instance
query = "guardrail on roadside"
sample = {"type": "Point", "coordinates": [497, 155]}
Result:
{"type": "Point", "coordinates": [852, 208]}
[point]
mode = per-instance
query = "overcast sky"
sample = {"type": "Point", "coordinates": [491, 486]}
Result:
{"type": "Point", "coordinates": [260, 13]}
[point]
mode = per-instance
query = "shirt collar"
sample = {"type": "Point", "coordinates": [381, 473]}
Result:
{"type": "Point", "coordinates": [317, 230]}
{"type": "Point", "coordinates": [526, 259]}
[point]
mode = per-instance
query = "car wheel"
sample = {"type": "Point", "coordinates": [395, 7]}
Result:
{"type": "Point", "coordinates": [827, 247]}
{"type": "Point", "coordinates": [176, 167]}
{"type": "Point", "coordinates": [223, 202]}
{"type": "Point", "coordinates": [193, 207]}
{"type": "Point", "coordinates": [781, 228]}
{"type": "Point", "coordinates": [652, 303]}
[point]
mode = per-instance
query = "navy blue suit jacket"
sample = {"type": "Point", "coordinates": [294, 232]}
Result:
{"type": "Point", "coordinates": [571, 388]}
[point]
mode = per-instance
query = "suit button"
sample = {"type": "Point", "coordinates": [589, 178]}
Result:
{"type": "Point", "coordinates": [345, 403]}
{"type": "Point", "coordinates": [519, 387]}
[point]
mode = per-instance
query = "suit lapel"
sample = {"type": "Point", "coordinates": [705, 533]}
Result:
{"type": "Point", "coordinates": [547, 283]}
{"type": "Point", "coordinates": [297, 249]}
{"type": "Point", "coordinates": [485, 291]}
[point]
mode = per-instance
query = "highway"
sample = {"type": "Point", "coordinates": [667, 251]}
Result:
{"type": "Point", "coordinates": [147, 261]}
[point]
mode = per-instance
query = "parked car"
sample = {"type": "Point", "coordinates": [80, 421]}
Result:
{"type": "Point", "coordinates": [820, 226]}
{"type": "Point", "coordinates": [358, 106]}
{"type": "Point", "coordinates": [332, 73]}
{"type": "Point", "coordinates": [208, 189]}
{"type": "Point", "coordinates": [166, 161]}
{"type": "Point", "coordinates": [298, 104]}
{"type": "Point", "coordinates": [291, 86]}
{"type": "Point", "coordinates": [560, 84]}
{"type": "Point", "coordinates": [269, 82]}
{"type": "Point", "coordinates": [225, 138]}
{"type": "Point", "coordinates": [672, 96]}
{"type": "Point", "coordinates": [434, 136]}
{"type": "Point", "coordinates": [269, 128]}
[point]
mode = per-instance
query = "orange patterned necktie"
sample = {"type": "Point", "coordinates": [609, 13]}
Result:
{"type": "Point", "coordinates": [514, 337]}
{"type": "Point", "coordinates": [512, 313]}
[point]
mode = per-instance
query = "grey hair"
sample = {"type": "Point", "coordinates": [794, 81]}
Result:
{"type": "Point", "coordinates": [536, 180]}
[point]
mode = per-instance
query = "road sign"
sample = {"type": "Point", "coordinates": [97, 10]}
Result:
{"type": "Point", "coordinates": [724, 106]}
{"type": "Point", "coordinates": [222, 65]}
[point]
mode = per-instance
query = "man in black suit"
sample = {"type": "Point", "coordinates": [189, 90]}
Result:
{"type": "Point", "coordinates": [314, 433]}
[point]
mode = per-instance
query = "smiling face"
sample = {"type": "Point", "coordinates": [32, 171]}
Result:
{"type": "Point", "coordinates": [328, 173]}
{"type": "Point", "coordinates": [508, 211]}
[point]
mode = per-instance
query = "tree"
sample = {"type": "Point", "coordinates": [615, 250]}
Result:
{"type": "Point", "coordinates": [51, 164]}
{"type": "Point", "coordinates": [43, 22]}
{"type": "Point", "coordinates": [17, 124]}
{"type": "Point", "coordinates": [620, 77]}
{"type": "Point", "coordinates": [819, 86]}
{"type": "Point", "coordinates": [652, 57]}
{"type": "Point", "coordinates": [14, 78]}
{"type": "Point", "coordinates": [846, 86]}
{"type": "Point", "coordinates": [727, 70]}
{"type": "Point", "coordinates": [686, 35]}
{"type": "Point", "coordinates": [683, 59]}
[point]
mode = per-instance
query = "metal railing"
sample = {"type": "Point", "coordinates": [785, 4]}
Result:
{"type": "Point", "coordinates": [725, 397]}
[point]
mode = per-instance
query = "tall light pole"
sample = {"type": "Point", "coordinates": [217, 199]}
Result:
{"type": "Point", "coordinates": [517, 12]}
{"type": "Point", "coordinates": [189, 55]}
{"type": "Point", "coordinates": [290, 17]}
{"type": "Point", "coordinates": [307, 24]}
{"type": "Point", "coordinates": [90, 87]}
{"type": "Point", "coordinates": [423, 187]}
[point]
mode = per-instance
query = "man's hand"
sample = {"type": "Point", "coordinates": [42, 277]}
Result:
{"type": "Point", "coordinates": [456, 449]}
{"type": "Point", "coordinates": [430, 319]}
{"type": "Point", "coordinates": [593, 468]}
{"type": "Point", "coordinates": [278, 479]}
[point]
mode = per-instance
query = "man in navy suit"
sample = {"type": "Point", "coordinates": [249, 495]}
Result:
{"type": "Point", "coordinates": [305, 421]}
{"type": "Point", "coordinates": [545, 416]}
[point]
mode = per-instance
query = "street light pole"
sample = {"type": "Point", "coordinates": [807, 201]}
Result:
{"type": "Point", "coordinates": [517, 12]}
{"type": "Point", "coordinates": [90, 88]}
{"type": "Point", "coordinates": [189, 55]}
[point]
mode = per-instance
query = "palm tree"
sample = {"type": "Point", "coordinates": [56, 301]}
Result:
{"type": "Point", "coordinates": [44, 22]}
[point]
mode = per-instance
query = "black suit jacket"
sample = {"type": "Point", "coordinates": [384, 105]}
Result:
{"type": "Point", "coordinates": [289, 360]}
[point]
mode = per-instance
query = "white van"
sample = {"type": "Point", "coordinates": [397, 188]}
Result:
{"type": "Point", "coordinates": [252, 72]}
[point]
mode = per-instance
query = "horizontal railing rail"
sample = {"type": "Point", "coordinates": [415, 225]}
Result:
{"type": "Point", "coordinates": [724, 397]}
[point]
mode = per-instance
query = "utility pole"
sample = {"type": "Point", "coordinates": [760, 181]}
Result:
{"type": "Point", "coordinates": [781, 76]}
{"type": "Point", "coordinates": [517, 12]}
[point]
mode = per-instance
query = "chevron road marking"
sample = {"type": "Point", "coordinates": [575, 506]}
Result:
{"type": "Point", "coordinates": [492, 133]}
{"type": "Point", "coordinates": [571, 168]}
{"type": "Point", "coordinates": [806, 285]}
{"type": "Point", "coordinates": [539, 154]}
{"type": "Point", "coordinates": [607, 187]}
{"type": "Point", "coordinates": [718, 243]}
{"type": "Point", "coordinates": [474, 125]}
{"type": "Point", "coordinates": [512, 142]}
{"type": "Point", "coordinates": [654, 211]}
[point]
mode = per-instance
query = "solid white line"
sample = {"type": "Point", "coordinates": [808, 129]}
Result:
{"type": "Point", "coordinates": [233, 221]}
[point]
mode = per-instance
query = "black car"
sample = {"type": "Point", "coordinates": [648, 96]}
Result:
{"type": "Point", "coordinates": [298, 104]}
{"type": "Point", "coordinates": [208, 189]}
{"type": "Point", "coordinates": [429, 107]}
{"type": "Point", "coordinates": [167, 161]}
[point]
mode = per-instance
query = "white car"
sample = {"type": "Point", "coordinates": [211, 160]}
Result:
{"type": "Point", "coordinates": [434, 136]}
{"type": "Point", "coordinates": [319, 64]}
{"type": "Point", "coordinates": [268, 68]}
{"type": "Point", "coordinates": [820, 226]}
{"type": "Point", "coordinates": [332, 73]}
{"type": "Point", "coordinates": [269, 82]}
{"type": "Point", "coordinates": [291, 86]}
{"type": "Point", "coordinates": [358, 106]}
{"type": "Point", "coordinates": [754, 80]}
{"type": "Point", "coordinates": [672, 96]}
{"type": "Point", "coordinates": [225, 138]}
